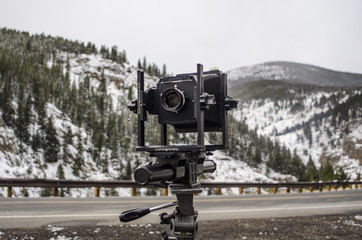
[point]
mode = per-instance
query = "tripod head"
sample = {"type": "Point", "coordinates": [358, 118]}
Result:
{"type": "Point", "coordinates": [190, 102]}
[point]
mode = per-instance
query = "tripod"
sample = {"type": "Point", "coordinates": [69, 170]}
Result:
{"type": "Point", "coordinates": [190, 102]}
{"type": "Point", "coordinates": [182, 220]}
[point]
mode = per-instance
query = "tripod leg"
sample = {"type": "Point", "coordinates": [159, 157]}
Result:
{"type": "Point", "coordinates": [185, 204]}
{"type": "Point", "coordinates": [184, 225]}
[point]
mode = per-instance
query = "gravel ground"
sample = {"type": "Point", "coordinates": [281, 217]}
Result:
{"type": "Point", "coordinates": [342, 226]}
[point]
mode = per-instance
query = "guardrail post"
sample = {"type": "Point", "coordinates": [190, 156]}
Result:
{"type": "Point", "coordinates": [241, 190]}
{"type": "Point", "coordinates": [350, 186]}
{"type": "Point", "coordinates": [288, 189]}
{"type": "Point", "coordinates": [320, 188]}
{"type": "Point", "coordinates": [329, 187]}
{"type": "Point", "coordinates": [344, 186]}
{"type": "Point", "coordinates": [133, 192]}
{"type": "Point", "coordinates": [218, 191]}
{"type": "Point", "coordinates": [336, 187]}
{"type": "Point", "coordinates": [258, 190]}
{"type": "Point", "coordinates": [310, 189]}
{"type": "Point", "coordinates": [165, 192]}
{"type": "Point", "coordinates": [10, 192]}
{"type": "Point", "coordinates": [55, 192]}
{"type": "Point", "coordinates": [275, 190]}
{"type": "Point", "coordinates": [356, 186]}
{"type": "Point", "coordinates": [96, 191]}
{"type": "Point", "coordinates": [300, 189]}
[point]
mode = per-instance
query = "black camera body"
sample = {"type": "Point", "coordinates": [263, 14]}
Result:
{"type": "Point", "coordinates": [174, 100]}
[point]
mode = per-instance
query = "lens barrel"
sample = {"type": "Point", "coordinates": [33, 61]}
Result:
{"type": "Point", "coordinates": [172, 99]}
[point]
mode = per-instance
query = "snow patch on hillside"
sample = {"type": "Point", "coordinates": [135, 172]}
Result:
{"type": "Point", "coordinates": [258, 71]}
{"type": "Point", "coordinates": [121, 79]}
{"type": "Point", "coordinates": [278, 121]}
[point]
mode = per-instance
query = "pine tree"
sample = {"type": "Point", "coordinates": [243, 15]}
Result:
{"type": "Point", "coordinates": [298, 168]}
{"type": "Point", "coordinates": [104, 51]}
{"type": "Point", "coordinates": [276, 162]}
{"type": "Point", "coordinates": [128, 174]}
{"type": "Point", "coordinates": [36, 142]}
{"type": "Point", "coordinates": [341, 175]}
{"type": "Point", "coordinates": [28, 45]}
{"type": "Point", "coordinates": [312, 173]}
{"type": "Point", "coordinates": [21, 126]}
{"type": "Point", "coordinates": [52, 144]}
{"type": "Point", "coordinates": [114, 54]}
{"type": "Point", "coordinates": [60, 172]}
{"type": "Point", "coordinates": [105, 163]}
{"type": "Point", "coordinates": [103, 93]}
{"type": "Point", "coordinates": [114, 146]}
{"type": "Point", "coordinates": [327, 173]}
{"type": "Point", "coordinates": [79, 160]}
{"type": "Point", "coordinates": [164, 71]}
{"type": "Point", "coordinates": [68, 138]}
{"type": "Point", "coordinates": [130, 94]}
{"type": "Point", "coordinates": [124, 57]}
{"type": "Point", "coordinates": [257, 157]}
{"type": "Point", "coordinates": [6, 98]}
{"type": "Point", "coordinates": [61, 175]}
{"type": "Point", "coordinates": [28, 110]}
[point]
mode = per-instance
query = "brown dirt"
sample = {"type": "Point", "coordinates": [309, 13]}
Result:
{"type": "Point", "coordinates": [342, 226]}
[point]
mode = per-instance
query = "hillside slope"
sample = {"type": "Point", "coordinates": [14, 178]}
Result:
{"type": "Point", "coordinates": [63, 115]}
{"type": "Point", "coordinates": [317, 112]}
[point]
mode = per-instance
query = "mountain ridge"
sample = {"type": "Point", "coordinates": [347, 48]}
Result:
{"type": "Point", "coordinates": [293, 72]}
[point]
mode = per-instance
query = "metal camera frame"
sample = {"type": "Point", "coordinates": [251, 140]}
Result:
{"type": "Point", "coordinates": [200, 98]}
{"type": "Point", "coordinates": [182, 221]}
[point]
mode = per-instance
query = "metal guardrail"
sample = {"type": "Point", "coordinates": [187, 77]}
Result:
{"type": "Point", "coordinates": [60, 183]}
{"type": "Point", "coordinates": [97, 184]}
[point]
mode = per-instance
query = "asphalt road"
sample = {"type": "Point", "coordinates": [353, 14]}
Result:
{"type": "Point", "coordinates": [36, 212]}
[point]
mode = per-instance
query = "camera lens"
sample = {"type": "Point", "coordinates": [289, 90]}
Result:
{"type": "Point", "coordinates": [172, 100]}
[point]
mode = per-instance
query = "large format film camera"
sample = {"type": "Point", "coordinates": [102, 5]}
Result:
{"type": "Point", "coordinates": [191, 103]}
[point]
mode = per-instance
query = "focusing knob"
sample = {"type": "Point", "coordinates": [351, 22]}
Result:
{"type": "Point", "coordinates": [133, 106]}
{"type": "Point", "coordinates": [230, 103]}
{"type": "Point", "coordinates": [206, 100]}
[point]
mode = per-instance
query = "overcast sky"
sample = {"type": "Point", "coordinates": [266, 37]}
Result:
{"type": "Point", "coordinates": [217, 33]}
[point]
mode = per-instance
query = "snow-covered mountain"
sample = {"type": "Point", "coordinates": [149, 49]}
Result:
{"type": "Point", "coordinates": [66, 117]}
{"type": "Point", "coordinates": [316, 111]}
{"type": "Point", "coordinates": [293, 73]}
{"type": "Point", "coordinates": [63, 114]}
{"type": "Point", "coordinates": [28, 163]}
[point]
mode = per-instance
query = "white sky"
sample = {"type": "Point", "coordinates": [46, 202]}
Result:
{"type": "Point", "coordinates": [217, 33]}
